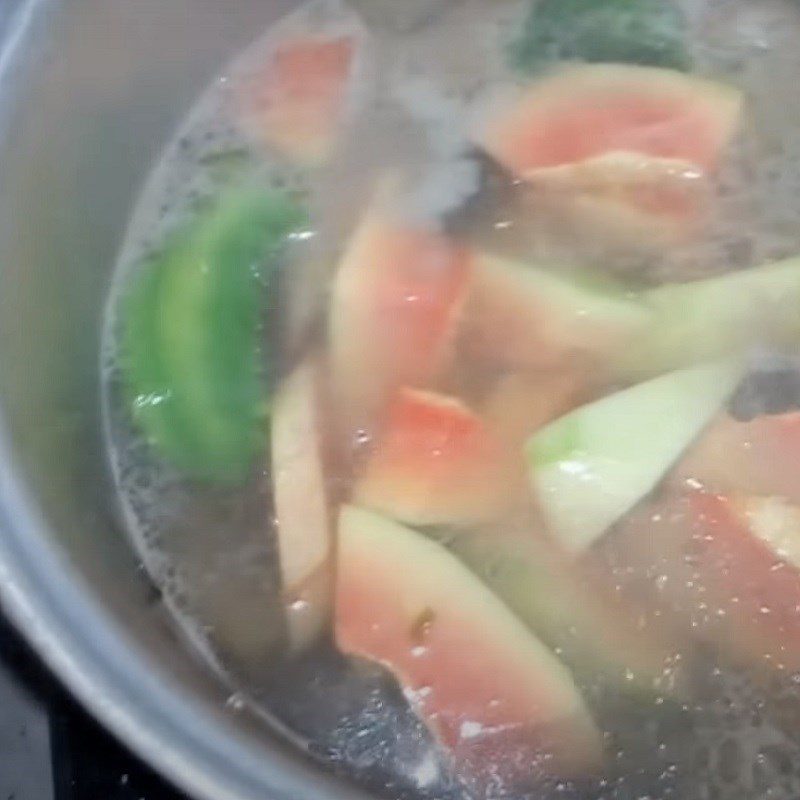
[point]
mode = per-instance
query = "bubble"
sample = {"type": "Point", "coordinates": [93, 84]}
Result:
{"type": "Point", "coordinates": [236, 702]}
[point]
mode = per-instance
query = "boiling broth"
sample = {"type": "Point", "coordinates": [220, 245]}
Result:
{"type": "Point", "coordinates": [210, 550]}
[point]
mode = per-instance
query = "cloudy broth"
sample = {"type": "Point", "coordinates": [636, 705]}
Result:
{"type": "Point", "coordinates": [423, 75]}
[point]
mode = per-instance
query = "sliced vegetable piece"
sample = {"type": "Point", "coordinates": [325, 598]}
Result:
{"type": "Point", "coordinates": [624, 152]}
{"type": "Point", "coordinates": [761, 625]}
{"type": "Point", "coordinates": [524, 317]}
{"type": "Point", "coordinates": [625, 200]}
{"type": "Point", "coordinates": [775, 521]}
{"type": "Point", "coordinates": [298, 100]}
{"type": "Point", "coordinates": [592, 466]}
{"type": "Point", "coordinates": [435, 462]}
{"type": "Point", "coordinates": [523, 402]}
{"type": "Point", "coordinates": [710, 318]}
{"type": "Point", "coordinates": [717, 576]}
{"type": "Point", "coordinates": [397, 300]}
{"type": "Point", "coordinates": [569, 609]}
{"type": "Point", "coordinates": [760, 456]}
{"type": "Point", "coordinates": [585, 112]}
{"type": "Point", "coordinates": [651, 32]}
{"type": "Point", "coordinates": [499, 702]}
{"type": "Point", "coordinates": [191, 340]}
{"type": "Point", "coordinates": [147, 382]}
{"type": "Point", "coordinates": [302, 513]}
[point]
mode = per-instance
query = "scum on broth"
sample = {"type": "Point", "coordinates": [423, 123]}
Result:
{"type": "Point", "coordinates": [208, 550]}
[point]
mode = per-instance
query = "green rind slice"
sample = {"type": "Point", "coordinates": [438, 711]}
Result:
{"type": "Point", "coordinates": [706, 319]}
{"type": "Point", "coordinates": [647, 32]}
{"type": "Point", "coordinates": [192, 334]}
{"type": "Point", "coordinates": [552, 596]}
{"type": "Point", "coordinates": [592, 466]}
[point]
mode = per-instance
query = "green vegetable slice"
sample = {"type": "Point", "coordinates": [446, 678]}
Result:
{"type": "Point", "coordinates": [648, 32]}
{"type": "Point", "coordinates": [590, 467]}
{"type": "Point", "coordinates": [569, 611]}
{"type": "Point", "coordinates": [191, 334]}
{"type": "Point", "coordinates": [711, 318]}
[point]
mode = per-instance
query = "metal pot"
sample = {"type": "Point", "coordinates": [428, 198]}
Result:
{"type": "Point", "coordinates": [89, 91]}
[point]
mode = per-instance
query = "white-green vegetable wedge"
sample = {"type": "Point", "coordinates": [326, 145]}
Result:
{"type": "Point", "coordinates": [592, 466]}
{"type": "Point", "coordinates": [701, 320]}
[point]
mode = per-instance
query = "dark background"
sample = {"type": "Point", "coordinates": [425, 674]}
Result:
{"type": "Point", "coordinates": [50, 749]}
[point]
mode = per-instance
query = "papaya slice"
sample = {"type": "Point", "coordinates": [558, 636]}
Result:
{"type": "Point", "coordinates": [759, 456]}
{"type": "Point", "coordinates": [620, 146]}
{"type": "Point", "coordinates": [728, 571]}
{"type": "Point", "coordinates": [396, 303]}
{"type": "Point", "coordinates": [436, 463]}
{"type": "Point", "coordinates": [520, 316]}
{"type": "Point", "coordinates": [500, 703]}
{"type": "Point", "coordinates": [573, 611]}
{"type": "Point", "coordinates": [585, 112]}
{"type": "Point", "coordinates": [297, 101]}
{"type": "Point", "coordinates": [738, 552]}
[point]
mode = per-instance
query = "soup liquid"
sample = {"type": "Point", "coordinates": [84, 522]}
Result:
{"type": "Point", "coordinates": [211, 552]}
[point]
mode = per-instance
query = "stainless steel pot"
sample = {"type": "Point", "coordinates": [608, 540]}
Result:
{"type": "Point", "coordinates": [89, 91]}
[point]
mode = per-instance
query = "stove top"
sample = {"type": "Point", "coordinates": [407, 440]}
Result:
{"type": "Point", "coordinates": [50, 749]}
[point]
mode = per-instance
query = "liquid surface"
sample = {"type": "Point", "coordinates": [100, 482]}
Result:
{"type": "Point", "coordinates": [211, 551]}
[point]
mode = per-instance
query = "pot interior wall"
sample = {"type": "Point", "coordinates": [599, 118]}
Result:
{"type": "Point", "coordinates": [89, 95]}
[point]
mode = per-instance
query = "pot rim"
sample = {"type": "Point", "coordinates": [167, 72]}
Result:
{"type": "Point", "coordinates": [88, 650]}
